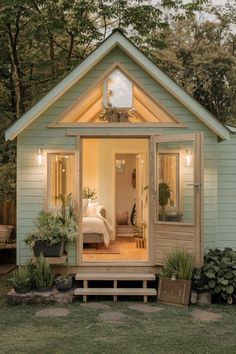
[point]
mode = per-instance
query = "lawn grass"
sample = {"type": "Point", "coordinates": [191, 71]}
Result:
{"type": "Point", "coordinates": [171, 330]}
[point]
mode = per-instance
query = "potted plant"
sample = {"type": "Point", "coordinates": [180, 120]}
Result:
{"type": "Point", "coordinates": [54, 231]}
{"type": "Point", "coordinates": [88, 195]}
{"type": "Point", "coordinates": [176, 278]}
{"type": "Point", "coordinates": [21, 280]}
{"type": "Point", "coordinates": [164, 198]}
{"type": "Point", "coordinates": [64, 282]}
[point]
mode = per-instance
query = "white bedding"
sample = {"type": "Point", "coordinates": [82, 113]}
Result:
{"type": "Point", "coordinates": [98, 225]}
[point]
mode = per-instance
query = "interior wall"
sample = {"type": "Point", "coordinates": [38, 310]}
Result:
{"type": "Point", "coordinates": [107, 150]}
{"type": "Point", "coordinates": [125, 191]}
{"type": "Point", "coordinates": [90, 163]}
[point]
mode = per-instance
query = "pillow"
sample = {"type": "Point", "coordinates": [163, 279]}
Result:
{"type": "Point", "coordinates": [122, 219]}
{"type": "Point", "coordinates": [91, 209]}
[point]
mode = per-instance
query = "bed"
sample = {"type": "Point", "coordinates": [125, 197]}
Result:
{"type": "Point", "coordinates": [96, 229]}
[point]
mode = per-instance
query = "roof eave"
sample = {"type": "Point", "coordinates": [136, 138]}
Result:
{"type": "Point", "coordinates": [117, 38]}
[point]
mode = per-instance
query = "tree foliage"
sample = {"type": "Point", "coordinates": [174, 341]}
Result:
{"type": "Point", "coordinates": [201, 57]}
{"type": "Point", "coordinates": [42, 40]}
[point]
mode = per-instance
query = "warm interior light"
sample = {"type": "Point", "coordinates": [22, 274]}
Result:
{"type": "Point", "coordinates": [40, 156]}
{"type": "Point", "coordinates": [120, 163]}
{"type": "Point", "coordinates": [188, 157]}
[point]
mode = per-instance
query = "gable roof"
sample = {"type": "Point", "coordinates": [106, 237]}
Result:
{"type": "Point", "coordinates": [90, 105]}
{"type": "Point", "coordinates": [118, 39]}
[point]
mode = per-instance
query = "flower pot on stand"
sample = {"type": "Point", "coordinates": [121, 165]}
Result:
{"type": "Point", "coordinates": [54, 250]}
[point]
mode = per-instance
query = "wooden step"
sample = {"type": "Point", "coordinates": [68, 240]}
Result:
{"type": "Point", "coordinates": [116, 291]}
{"type": "Point", "coordinates": [115, 276]}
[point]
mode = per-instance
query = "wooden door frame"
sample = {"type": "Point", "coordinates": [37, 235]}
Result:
{"type": "Point", "coordinates": [198, 170]}
{"type": "Point", "coordinates": [79, 178]}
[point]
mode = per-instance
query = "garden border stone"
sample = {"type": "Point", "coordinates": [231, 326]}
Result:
{"type": "Point", "coordinates": [40, 297]}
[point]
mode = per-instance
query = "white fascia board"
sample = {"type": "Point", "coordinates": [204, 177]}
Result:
{"type": "Point", "coordinates": [53, 95]}
{"type": "Point", "coordinates": [232, 129]}
{"type": "Point", "coordinates": [178, 92]}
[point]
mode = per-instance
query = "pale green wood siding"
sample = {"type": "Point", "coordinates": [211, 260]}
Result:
{"type": "Point", "coordinates": [32, 178]}
{"type": "Point", "coordinates": [226, 231]}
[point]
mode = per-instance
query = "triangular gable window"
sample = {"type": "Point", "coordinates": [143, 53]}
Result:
{"type": "Point", "coordinates": [118, 99]}
{"type": "Point", "coordinates": [117, 91]}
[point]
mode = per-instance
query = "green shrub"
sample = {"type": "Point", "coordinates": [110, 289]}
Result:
{"type": "Point", "coordinates": [42, 274]}
{"type": "Point", "coordinates": [36, 275]}
{"type": "Point", "coordinates": [8, 182]}
{"type": "Point", "coordinates": [179, 263]}
{"type": "Point", "coordinates": [218, 273]}
{"type": "Point", "coordinates": [21, 280]}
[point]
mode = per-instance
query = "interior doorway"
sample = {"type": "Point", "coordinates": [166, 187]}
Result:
{"type": "Point", "coordinates": [115, 200]}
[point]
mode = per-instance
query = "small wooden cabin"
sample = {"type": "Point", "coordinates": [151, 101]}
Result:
{"type": "Point", "coordinates": [156, 158]}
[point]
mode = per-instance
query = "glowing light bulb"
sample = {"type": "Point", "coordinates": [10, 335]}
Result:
{"type": "Point", "coordinates": [40, 156]}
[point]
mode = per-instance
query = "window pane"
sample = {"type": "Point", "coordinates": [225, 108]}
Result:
{"type": "Point", "coordinates": [118, 91]}
{"type": "Point", "coordinates": [61, 176]}
{"type": "Point", "coordinates": [175, 180]}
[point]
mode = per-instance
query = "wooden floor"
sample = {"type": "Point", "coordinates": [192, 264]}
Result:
{"type": "Point", "coordinates": [128, 252]}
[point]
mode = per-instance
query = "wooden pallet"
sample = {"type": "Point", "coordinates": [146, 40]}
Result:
{"type": "Point", "coordinates": [115, 290]}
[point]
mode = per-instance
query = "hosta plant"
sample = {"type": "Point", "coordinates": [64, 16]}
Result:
{"type": "Point", "coordinates": [218, 273]}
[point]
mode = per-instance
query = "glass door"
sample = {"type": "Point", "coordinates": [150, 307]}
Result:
{"type": "Point", "coordinates": [177, 193]}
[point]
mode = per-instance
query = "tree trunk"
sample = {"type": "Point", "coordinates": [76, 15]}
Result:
{"type": "Point", "coordinates": [52, 55]}
{"type": "Point", "coordinates": [72, 40]}
{"type": "Point", "coordinates": [16, 72]}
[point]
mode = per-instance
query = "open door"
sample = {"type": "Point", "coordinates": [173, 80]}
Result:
{"type": "Point", "coordinates": [177, 192]}
{"type": "Point", "coordinates": [139, 189]}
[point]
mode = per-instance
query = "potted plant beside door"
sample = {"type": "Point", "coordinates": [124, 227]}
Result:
{"type": "Point", "coordinates": [175, 280]}
{"type": "Point", "coordinates": [54, 230]}
{"type": "Point", "coordinates": [164, 193]}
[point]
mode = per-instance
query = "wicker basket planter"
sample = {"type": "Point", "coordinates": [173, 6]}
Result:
{"type": "Point", "coordinates": [174, 291]}
{"type": "Point", "coordinates": [55, 250]}
{"type": "Point", "coordinates": [5, 232]}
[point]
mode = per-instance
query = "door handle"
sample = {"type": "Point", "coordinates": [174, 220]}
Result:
{"type": "Point", "coordinates": [197, 185]}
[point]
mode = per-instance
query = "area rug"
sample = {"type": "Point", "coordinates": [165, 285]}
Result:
{"type": "Point", "coordinates": [114, 248]}
{"type": "Point", "coordinates": [6, 268]}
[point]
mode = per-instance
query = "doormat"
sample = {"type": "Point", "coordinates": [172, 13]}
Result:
{"type": "Point", "coordinates": [114, 248]}
{"type": "Point", "coordinates": [6, 268]}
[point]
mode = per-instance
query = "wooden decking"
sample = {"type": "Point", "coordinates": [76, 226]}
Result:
{"type": "Point", "coordinates": [115, 291]}
{"type": "Point", "coordinates": [129, 250]}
